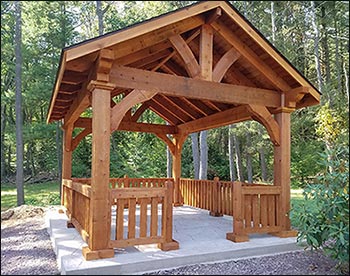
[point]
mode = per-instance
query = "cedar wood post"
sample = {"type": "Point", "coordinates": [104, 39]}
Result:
{"type": "Point", "coordinates": [282, 173]}
{"type": "Point", "coordinates": [100, 217]}
{"type": "Point", "coordinates": [178, 141]}
{"type": "Point", "coordinates": [238, 234]}
{"type": "Point", "coordinates": [167, 220]}
{"type": "Point", "coordinates": [215, 198]}
{"type": "Point", "coordinates": [67, 171]}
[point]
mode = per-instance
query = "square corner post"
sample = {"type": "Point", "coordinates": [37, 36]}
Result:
{"type": "Point", "coordinates": [176, 168]}
{"type": "Point", "coordinates": [282, 155]}
{"type": "Point", "coordinates": [99, 215]}
{"type": "Point", "coordinates": [67, 155]}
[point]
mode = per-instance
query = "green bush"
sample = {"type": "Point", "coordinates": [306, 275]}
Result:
{"type": "Point", "coordinates": [322, 219]}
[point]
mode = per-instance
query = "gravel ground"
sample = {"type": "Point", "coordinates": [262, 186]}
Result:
{"type": "Point", "coordinates": [26, 249]}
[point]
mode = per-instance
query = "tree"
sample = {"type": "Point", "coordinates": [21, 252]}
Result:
{"type": "Point", "coordinates": [19, 118]}
{"type": "Point", "coordinates": [203, 165]}
{"type": "Point", "coordinates": [195, 154]}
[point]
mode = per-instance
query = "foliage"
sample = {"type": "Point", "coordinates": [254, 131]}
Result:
{"type": "Point", "coordinates": [323, 218]}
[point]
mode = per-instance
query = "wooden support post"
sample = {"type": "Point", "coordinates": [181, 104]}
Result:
{"type": "Point", "coordinates": [100, 217]}
{"type": "Point", "coordinates": [167, 220]}
{"type": "Point", "coordinates": [66, 171]}
{"type": "Point", "coordinates": [282, 174]}
{"type": "Point", "coordinates": [178, 141]}
{"type": "Point", "coordinates": [215, 199]}
{"type": "Point", "coordinates": [238, 234]}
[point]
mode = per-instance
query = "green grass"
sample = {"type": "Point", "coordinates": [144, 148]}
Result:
{"type": "Point", "coordinates": [39, 194]}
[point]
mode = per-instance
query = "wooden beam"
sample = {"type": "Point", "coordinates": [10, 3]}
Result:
{"type": "Point", "coordinates": [282, 169]}
{"type": "Point", "coordinates": [149, 128]}
{"type": "Point", "coordinates": [184, 107]}
{"type": "Point", "coordinates": [132, 126]}
{"type": "Point", "coordinates": [191, 64]}
{"type": "Point", "coordinates": [192, 88]}
{"type": "Point", "coordinates": [224, 64]}
{"type": "Point", "coordinates": [139, 111]}
{"type": "Point", "coordinates": [249, 54]}
{"type": "Point", "coordinates": [135, 97]}
{"type": "Point", "coordinates": [295, 95]}
{"type": "Point", "coordinates": [163, 113]}
{"type": "Point", "coordinates": [213, 15]}
{"type": "Point", "coordinates": [68, 134]}
{"type": "Point", "coordinates": [206, 52]}
{"type": "Point", "coordinates": [169, 106]}
{"type": "Point", "coordinates": [178, 141]}
{"type": "Point", "coordinates": [167, 141]}
{"type": "Point", "coordinates": [80, 137]}
{"type": "Point", "coordinates": [151, 58]}
{"type": "Point", "coordinates": [103, 65]}
{"type": "Point", "coordinates": [99, 211]}
{"type": "Point", "coordinates": [189, 39]}
{"type": "Point", "coordinates": [200, 106]}
{"type": "Point", "coordinates": [56, 87]}
{"type": "Point", "coordinates": [133, 57]}
{"type": "Point", "coordinates": [263, 116]}
{"type": "Point", "coordinates": [98, 76]}
{"type": "Point", "coordinates": [73, 77]}
{"type": "Point", "coordinates": [230, 116]}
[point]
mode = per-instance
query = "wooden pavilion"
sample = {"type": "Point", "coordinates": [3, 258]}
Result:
{"type": "Point", "coordinates": [197, 68]}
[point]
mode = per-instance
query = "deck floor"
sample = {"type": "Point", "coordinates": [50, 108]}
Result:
{"type": "Point", "coordinates": [202, 239]}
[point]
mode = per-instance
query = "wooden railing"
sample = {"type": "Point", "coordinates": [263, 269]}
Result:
{"type": "Point", "coordinates": [126, 182]}
{"type": "Point", "coordinates": [259, 208]}
{"type": "Point", "coordinates": [77, 202]}
{"type": "Point", "coordinates": [254, 207]}
{"type": "Point", "coordinates": [213, 195]}
{"type": "Point", "coordinates": [142, 197]}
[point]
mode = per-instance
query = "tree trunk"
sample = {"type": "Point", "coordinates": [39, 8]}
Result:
{"type": "Point", "coordinates": [325, 45]}
{"type": "Point", "coordinates": [9, 153]}
{"type": "Point", "coordinates": [336, 42]}
{"type": "Point", "coordinates": [273, 25]}
{"type": "Point", "coordinates": [238, 158]}
{"type": "Point", "coordinates": [233, 175]}
{"type": "Point", "coordinates": [3, 125]}
{"type": "Point", "coordinates": [203, 166]}
{"type": "Point", "coordinates": [195, 154]}
{"type": "Point", "coordinates": [263, 165]}
{"type": "Point", "coordinates": [100, 17]}
{"type": "Point", "coordinates": [316, 45]}
{"type": "Point", "coordinates": [346, 81]}
{"type": "Point", "coordinates": [249, 158]}
{"type": "Point", "coordinates": [169, 163]}
{"type": "Point", "coordinates": [19, 118]}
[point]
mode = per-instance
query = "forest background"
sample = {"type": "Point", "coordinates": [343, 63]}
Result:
{"type": "Point", "coordinates": [312, 35]}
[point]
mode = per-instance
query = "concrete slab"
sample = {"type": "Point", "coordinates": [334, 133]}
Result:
{"type": "Point", "coordinates": [202, 239]}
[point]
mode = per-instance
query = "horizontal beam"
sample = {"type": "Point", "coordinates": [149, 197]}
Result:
{"type": "Point", "coordinates": [132, 126]}
{"type": "Point", "coordinates": [171, 85]}
{"type": "Point", "coordinates": [230, 116]}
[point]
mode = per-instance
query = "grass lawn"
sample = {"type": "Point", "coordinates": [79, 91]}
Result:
{"type": "Point", "coordinates": [41, 194]}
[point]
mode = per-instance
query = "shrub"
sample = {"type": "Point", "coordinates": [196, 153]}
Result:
{"type": "Point", "coordinates": [322, 219]}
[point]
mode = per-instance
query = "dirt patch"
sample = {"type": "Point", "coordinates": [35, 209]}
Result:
{"type": "Point", "coordinates": [26, 247]}
{"type": "Point", "coordinates": [23, 212]}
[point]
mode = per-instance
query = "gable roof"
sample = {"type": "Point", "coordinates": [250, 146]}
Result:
{"type": "Point", "coordinates": [146, 46]}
